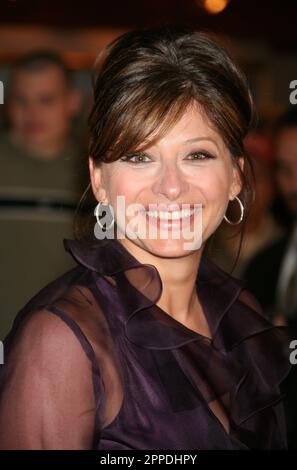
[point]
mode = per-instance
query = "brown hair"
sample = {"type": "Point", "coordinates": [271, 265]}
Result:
{"type": "Point", "coordinates": [147, 80]}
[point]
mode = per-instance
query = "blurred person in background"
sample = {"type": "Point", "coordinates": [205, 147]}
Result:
{"type": "Point", "coordinates": [261, 227]}
{"type": "Point", "coordinates": [41, 178]}
{"type": "Point", "coordinates": [272, 273]}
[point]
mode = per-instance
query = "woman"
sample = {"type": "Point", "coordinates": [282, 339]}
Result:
{"type": "Point", "coordinates": [147, 344]}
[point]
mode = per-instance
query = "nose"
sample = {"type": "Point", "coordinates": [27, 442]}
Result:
{"type": "Point", "coordinates": [170, 183]}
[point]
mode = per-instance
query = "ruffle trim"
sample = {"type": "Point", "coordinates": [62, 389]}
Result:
{"type": "Point", "coordinates": [244, 362]}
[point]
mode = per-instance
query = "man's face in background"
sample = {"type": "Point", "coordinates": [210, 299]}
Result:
{"type": "Point", "coordinates": [41, 106]}
{"type": "Point", "coordinates": [286, 167]}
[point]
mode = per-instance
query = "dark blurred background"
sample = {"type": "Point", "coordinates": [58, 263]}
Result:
{"type": "Point", "coordinates": [262, 34]}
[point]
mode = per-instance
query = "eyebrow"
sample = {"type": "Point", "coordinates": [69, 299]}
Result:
{"type": "Point", "coordinates": [196, 139]}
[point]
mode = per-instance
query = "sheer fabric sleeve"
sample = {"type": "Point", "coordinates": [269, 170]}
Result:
{"type": "Point", "coordinates": [46, 390]}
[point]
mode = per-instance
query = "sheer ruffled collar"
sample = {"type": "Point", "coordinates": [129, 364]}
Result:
{"type": "Point", "coordinates": [141, 287]}
{"type": "Point", "coordinates": [243, 363]}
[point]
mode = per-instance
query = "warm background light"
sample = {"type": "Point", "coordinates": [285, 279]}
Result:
{"type": "Point", "coordinates": [215, 6]}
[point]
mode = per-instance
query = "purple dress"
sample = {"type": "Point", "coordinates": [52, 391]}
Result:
{"type": "Point", "coordinates": [92, 362]}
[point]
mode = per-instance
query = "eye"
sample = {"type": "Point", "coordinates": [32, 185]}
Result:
{"type": "Point", "coordinates": [202, 155]}
{"type": "Point", "coordinates": [138, 158]}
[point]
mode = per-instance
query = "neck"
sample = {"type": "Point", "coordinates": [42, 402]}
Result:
{"type": "Point", "coordinates": [179, 296]}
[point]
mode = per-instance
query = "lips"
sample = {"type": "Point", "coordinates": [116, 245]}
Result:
{"type": "Point", "coordinates": [171, 212]}
{"type": "Point", "coordinates": [176, 218]}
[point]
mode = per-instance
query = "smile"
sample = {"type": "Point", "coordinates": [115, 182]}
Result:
{"type": "Point", "coordinates": [170, 215]}
{"type": "Point", "coordinates": [172, 219]}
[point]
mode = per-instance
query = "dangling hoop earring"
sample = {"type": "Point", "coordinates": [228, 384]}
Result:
{"type": "Point", "coordinates": [97, 215]}
{"type": "Point", "coordinates": [241, 214]}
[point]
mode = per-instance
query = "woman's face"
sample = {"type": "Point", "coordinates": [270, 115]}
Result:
{"type": "Point", "coordinates": [189, 168]}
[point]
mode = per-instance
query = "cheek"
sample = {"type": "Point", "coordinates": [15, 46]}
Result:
{"type": "Point", "coordinates": [214, 185]}
{"type": "Point", "coordinates": [122, 183]}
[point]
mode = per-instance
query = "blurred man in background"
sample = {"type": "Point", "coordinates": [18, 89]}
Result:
{"type": "Point", "coordinates": [41, 179]}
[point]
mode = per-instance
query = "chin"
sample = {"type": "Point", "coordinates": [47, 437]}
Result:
{"type": "Point", "coordinates": [171, 248]}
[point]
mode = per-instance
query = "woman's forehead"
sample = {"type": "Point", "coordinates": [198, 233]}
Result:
{"type": "Point", "coordinates": [191, 127]}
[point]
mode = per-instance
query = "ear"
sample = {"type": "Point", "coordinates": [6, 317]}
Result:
{"type": "Point", "coordinates": [96, 180]}
{"type": "Point", "coordinates": [236, 185]}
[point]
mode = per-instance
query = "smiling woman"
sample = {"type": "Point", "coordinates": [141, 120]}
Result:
{"type": "Point", "coordinates": [180, 169]}
{"type": "Point", "coordinates": [176, 108]}
{"type": "Point", "coordinates": [147, 344]}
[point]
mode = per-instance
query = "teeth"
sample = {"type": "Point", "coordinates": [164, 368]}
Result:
{"type": "Point", "coordinates": [172, 215]}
